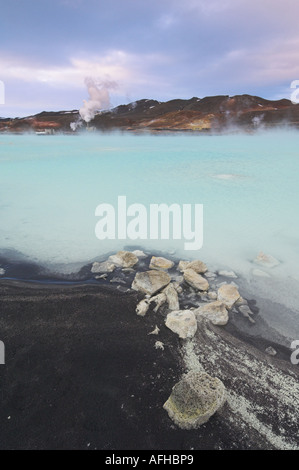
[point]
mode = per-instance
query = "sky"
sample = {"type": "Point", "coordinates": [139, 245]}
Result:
{"type": "Point", "coordinates": [158, 49]}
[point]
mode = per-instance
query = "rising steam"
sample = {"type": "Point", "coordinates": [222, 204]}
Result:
{"type": "Point", "coordinates": [99, 98]}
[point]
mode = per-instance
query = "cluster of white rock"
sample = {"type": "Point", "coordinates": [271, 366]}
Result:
{"type": "Point", "coordinates": [122, 259]}
{"type": "Point", "coordinates": [162, 289]}
{"type": "Point", "coordinates": [159, 288]}
{"type": "Point", "coordinates": [265, 261]}
{"type": "Point", "coordinates": [197, 396]}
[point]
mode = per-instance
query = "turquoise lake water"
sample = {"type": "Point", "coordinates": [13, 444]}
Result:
{"type": "Point", "coordinates": [248, 185]}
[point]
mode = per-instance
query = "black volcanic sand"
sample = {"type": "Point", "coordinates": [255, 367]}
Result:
{"type": "Point", "coordinates": [82, 372]}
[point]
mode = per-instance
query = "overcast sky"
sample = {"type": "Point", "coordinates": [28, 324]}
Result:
{"type": "Point", "coordinates": [161, 49]}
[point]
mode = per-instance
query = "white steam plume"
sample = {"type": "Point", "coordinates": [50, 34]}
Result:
{"type": "Point", "coordinates": [99, 98]}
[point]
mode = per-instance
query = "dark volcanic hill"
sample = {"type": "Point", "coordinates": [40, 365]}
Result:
{"type": "Point", "coordinates": [214, 113]}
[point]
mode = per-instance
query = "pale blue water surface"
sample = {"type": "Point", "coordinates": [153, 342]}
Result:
{"type": "Point", "coordinates": [248, 184]}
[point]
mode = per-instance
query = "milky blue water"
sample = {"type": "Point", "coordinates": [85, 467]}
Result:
{"type": "Point", "coordinates": [248, 185]}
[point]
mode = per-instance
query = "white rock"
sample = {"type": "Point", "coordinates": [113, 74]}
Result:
{"type": "Point", "coordinates": [182, 265]}
{"type": "Point", "coordinates": [268, 261]}
{"type": "Point", "coordinates": [271, 351]}
{"type": "Point", "coordinates": [176, 277]}
{"type": "Point", "coordinates": [155, 331]}
{"type": "Point", "coordinates": [212, 295]}
{"type": "Point", "coordinates": [159, 345]}
{"type": "Point", "coordinates": [140, 254]}
{"type": "Point", "coordinates": [122, 289]}
{"type": "Point", "coordinates": [216, 312]}
{"type": "Point", "coordinates": [172, 297]}
{"type": "Point", "coordinates": [178, 287]}
{"type": "Point", "coordinates": [198, 266]}
{"type": "Point", "coordinates": [2, 272]}
{"type": "Point", "coordinates": [104, 267]}
{"type": "Point", "coordinates": [210, 275]}
{"type": "Point", "coordinates": [245, 309]}
{"type": "Point", "coordinates": [160, 263]}
{"type": "Point", "coordinates": [182, 322]}
{"type": "Point", "coordinates": [194, 399]}
{"type": "Point", "coordinates": [102, 276]}
{"type": "Point", "coordinates": [228, 294]}
{"type": "Point", "coordinates": [251, 320]}
{"type": "Point", "coordinates": [117, 280]}
{"type": "Point", "coordinates": [151, 281]}
{"type": "Point", "coordinates": [228, 274]}
{"type": "Point", "coordinates": [246, 312]}
{"type": "Point", "coordinates": [241, 301]}
{"type": "Point", "coordinates": [142, 307]}
{"type": "Point", "coordinates": [124, 259]}
{"type": "Point", "coordinates": [195, 280]}
{"type": "Point", "coordinates": [159, 300]}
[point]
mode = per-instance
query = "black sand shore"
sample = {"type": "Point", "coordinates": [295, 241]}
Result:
{"type": "Point", "coordinates": [82, 372]}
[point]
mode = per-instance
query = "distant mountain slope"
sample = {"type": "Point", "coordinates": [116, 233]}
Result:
{"type": "Point", "coordinates": [210, 113]}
